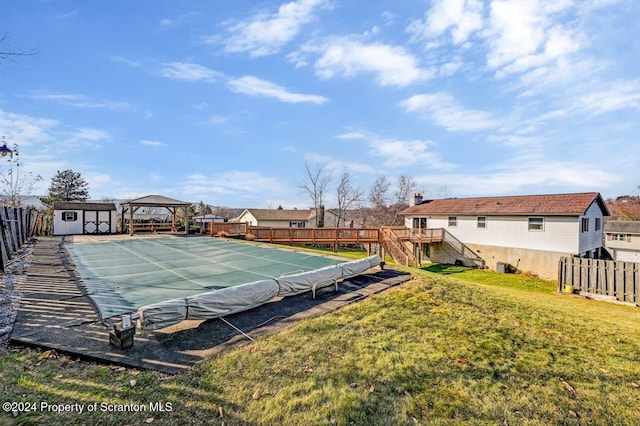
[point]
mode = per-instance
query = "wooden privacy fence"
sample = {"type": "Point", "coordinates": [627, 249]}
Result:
{"type": "Point", "coordinates": [606, 279]}
{"type": "Point", "coordinates": [17, 225]}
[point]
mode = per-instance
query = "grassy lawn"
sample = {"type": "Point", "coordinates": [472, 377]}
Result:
{"type": "Point", "coordinates": [452, 346]}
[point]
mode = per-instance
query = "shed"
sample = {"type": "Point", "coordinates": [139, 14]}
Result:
{"type": "Point", "coordinates": [75, 218]}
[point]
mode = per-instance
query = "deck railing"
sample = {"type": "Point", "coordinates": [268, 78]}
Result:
{"type": "Point", "coordinates": [463, 250]}
{"type": "Point", "coordinates": [229, 228]}
{"type": "Point", "coordinates": [316, 235]}
{"type": "Point", "coordinates": [418, 235]}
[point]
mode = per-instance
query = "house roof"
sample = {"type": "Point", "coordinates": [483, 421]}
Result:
{"type": "Point", "coordinates": [622, 226]}
{"type": "Point", "coordinates": [156, 201]}
{"type": "Point", "coordinates": [75, 205]}
{"type": "Point", "coordinates": [519, 205]}
{"type": "Point", "coordinates": [281, 214]}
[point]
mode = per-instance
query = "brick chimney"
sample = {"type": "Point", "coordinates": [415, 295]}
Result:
{"type": "Point", "coordinates": [415, 199]}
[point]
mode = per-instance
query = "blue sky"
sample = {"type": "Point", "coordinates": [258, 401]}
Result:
{"type": "Point", "coordinates": [225, 101]}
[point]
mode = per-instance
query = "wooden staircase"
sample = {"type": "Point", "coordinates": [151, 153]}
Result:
{"type": "Point", "coordinates": [396, 248]}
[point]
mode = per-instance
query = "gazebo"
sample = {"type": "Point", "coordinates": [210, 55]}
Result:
{"type": "Point", "coordinates": [170, 204]}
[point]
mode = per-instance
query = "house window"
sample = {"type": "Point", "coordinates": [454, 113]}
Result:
{"type": "Point", "coordinates": [598, 223]}
{"type": "Point", "coordinates": [536, 224]}
{"type": "Point", "coordinates": [619, 237]}
{"type": "Point", "coordinates": [482, 222]}
{"type": "Point", "coordinates": [453, 221]}
{"type": "Point", "coordinates": [296, 224]}
{"type": "Point", "coordinates": [69, 216]}
{"type": "Point", "coordinates": [585, 224]}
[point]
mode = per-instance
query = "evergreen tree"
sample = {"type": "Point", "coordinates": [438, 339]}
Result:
{"type": "Point", "coordinates": [67, 186]}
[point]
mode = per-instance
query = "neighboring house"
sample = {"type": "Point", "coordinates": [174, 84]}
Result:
{"type": "Point", "coordinates": [278, 218]}
{"type": "Point", "coordinates": [529, 232]}
{"type": "Point", "coordinates": [622, 240]}
{"type": "Point", "coordinates": [349, 219]}
{"type": "Point", "coordinates": [74, 218]}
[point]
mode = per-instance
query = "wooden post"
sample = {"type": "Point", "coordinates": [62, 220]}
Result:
{"type": "Point", "coordinates": [186, 220]}
{"type": "Point", "coordinates": [560, 277]}
{"type": "Point", "coordinates": [636, 282]}
{"type": "Point", "coordinates": [130, 220]}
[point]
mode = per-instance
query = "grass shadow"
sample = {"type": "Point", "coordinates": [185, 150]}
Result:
{"type": "Point", "coordinates": [444, 269]}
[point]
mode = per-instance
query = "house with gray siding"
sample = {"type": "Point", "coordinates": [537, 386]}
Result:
{"type": "Point", "coordinates": [622, 240]}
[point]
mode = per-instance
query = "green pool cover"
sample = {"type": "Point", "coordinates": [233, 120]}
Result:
{"type": "Point", "coordinates": [123, 275]}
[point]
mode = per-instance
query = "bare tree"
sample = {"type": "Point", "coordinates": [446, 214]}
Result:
{"type": "Point", "coordinates": [315, 185]}
{"type": "Point", "coordinates": [379, 199]}
{"type": "Point", "coordinates": [6, 52]}
{"type": "Point", "coordinates": [347, 195]}
{"type": "Point", "coordinates": [14, 181]}
{"type": "Point", "coordinates": [445, 192]}
{"type": "Point", "coordinates": [405, 186]}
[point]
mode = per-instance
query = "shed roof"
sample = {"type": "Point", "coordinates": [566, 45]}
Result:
{"type": "Point", "coordinates": [281, 214]}
{"type": "Point", "coordinates": [518, 205]}
{"type": "Point", "coordinates": [76, 205]}
{"type": "Point", "coordinates": [622, 226]}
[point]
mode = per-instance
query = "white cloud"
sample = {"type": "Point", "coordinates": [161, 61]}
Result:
{"type": "Point", "coordinates": [126, 61]}
{"type": "Point", "coordinates": [86, 137]}
{"type": "Point", "coordinates": [25, 130]}
{"type": "Point", "coordinates": [337, 165]}
{"type": "Point", "coordinates": [525, 34]}
{"type": "Point", "coordinates": [254, 86]}
{"type": "Point", "coordinates": [82, 101]}
{"type": "Point", "coordinates": [443, 110]}
{"type": "Point", "coordinates": [152, 143]}
{"type": "Point", "coordinates": [249, 185]}
{"type": "Point", "coordinates": [189, 72]}
{"type": "Point", "coordinates": [521, 175]}
{"type": "Point", "coordinates": [217, 120]}
{"type": "Point", "coordinates": [266, 33]}
{"type": "Point", "coordinates": [175, 22]}
{"type": "Point", "coordinates": [461, 17]}
{"type": "Point", "coordinates": [347, 57]}
{"type": "Point", "coordinates": [620, 95]}
{"type": "Point", "coordinates": [400, 153]}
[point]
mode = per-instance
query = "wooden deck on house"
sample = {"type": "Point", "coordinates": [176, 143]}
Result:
{"type": "Point", "coordinates": [324, 235]}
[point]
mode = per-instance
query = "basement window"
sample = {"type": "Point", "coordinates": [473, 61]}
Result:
{"type": "Point", "coordinates": [69, 216]}
{"type": "Point", "coordinates": [536, 224]}
{"type": "Point", "coordinates": [453, 221]}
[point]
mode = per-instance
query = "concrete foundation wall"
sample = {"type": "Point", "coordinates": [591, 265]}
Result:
{"type": "Point", "coordinates": [444, 253]}
{"type": "Point", "coordinates": [540, 262]}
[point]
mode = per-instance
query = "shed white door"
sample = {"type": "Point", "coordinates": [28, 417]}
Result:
{"type": "Point", "coordinates": [97, 222]}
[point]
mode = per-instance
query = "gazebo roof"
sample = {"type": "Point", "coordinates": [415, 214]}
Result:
{"type": "Point", "coordinates": [156, 201]}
